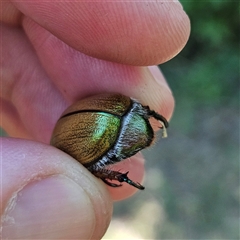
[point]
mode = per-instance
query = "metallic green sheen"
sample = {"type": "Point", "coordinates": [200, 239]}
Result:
{"type": "Point", "coordinates": [105, 126]}
{"type": "Point", "coordinates": [136, 135]}
{"type": "Point", "coordinates": [86, 136]}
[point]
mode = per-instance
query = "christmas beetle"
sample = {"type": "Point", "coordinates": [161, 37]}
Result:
{"type": "Point", "coordinates": [104, 129]}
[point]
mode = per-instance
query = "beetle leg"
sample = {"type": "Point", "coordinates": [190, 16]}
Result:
{"type": "Point", "coordinates": [160, 118]}
{"type": "Point", "coordinates": [122, 177]}
{"type": "Point", "coordinates": [105, 174]}
{"type": "Point", "coordinates": [111, 184]}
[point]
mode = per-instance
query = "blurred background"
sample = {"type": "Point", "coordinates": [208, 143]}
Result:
{"type": "Point", "coordinates": [192, 177]}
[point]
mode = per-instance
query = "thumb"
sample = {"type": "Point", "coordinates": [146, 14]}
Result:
{"type": "Point", "coordinates": [48, 195]}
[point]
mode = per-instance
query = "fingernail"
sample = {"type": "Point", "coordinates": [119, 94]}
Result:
{"type": "Point", "coordinates": [55, 207]}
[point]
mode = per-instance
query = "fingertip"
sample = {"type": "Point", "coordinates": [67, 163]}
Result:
{"type": "Point", "coordinates": [134, 33]}
{"type": "Point", "coordinates": [53, 204]}
{"type": "Point", "coordinates": [47, 194]}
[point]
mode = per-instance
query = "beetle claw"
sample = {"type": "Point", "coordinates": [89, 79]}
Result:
{"type": "Point", "coordinates": [111, 184]}
{"type": "Point", "coordinates": [160, 118]}
{"type": "Point", "coordinates": [105, 174]}
{"type": "Point", "coordinates": [124, 178]}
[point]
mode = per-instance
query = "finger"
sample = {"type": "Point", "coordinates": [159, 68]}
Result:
{"type": "Point", "coordinates": [10, 14]}
{"type": "Point", "coordinates": [79, 75]}
{"type": "Point", "coordinates": [26, 90]}
{"type": "Point", "coordinates": [135, 33]}
{"type": "Point", "coordinates": [51, 103]}
{"type": "Point", "coordinates": [48, 195]}
{"type": "Point", "coordinates": [38, 104]}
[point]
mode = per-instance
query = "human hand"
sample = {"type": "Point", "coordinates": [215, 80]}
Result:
{"type": "Point", "coordinates": [46, 193]}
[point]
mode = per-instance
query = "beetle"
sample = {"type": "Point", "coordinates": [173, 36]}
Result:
{"type": "Point", "coordinates": [104, 129]}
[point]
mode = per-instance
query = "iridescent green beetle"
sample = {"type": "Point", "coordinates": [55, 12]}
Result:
{"type": "Point", "coordinates": [105, 129]}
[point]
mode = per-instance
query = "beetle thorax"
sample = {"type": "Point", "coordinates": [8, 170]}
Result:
{"type": "Point", "coordinates": [135, 134]}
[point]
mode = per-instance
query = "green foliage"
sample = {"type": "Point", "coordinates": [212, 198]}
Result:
{"type": "Point", "coordinates": [206, 72]}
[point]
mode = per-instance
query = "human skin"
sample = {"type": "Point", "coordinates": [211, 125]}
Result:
{"type": "Point", "coordinates": [54, 54]}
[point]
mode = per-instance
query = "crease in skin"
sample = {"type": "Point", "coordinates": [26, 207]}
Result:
{"type": "Point", "coordinates": [10, 14]}
{"type": "Point", "coordinates": [10, 206]}
{"type": "Point", "coordinates": [6, 88]}
{"type": "Point", "coordinates": [10, 121]}
{"type": "Point", "coordinates": [11, 203]}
